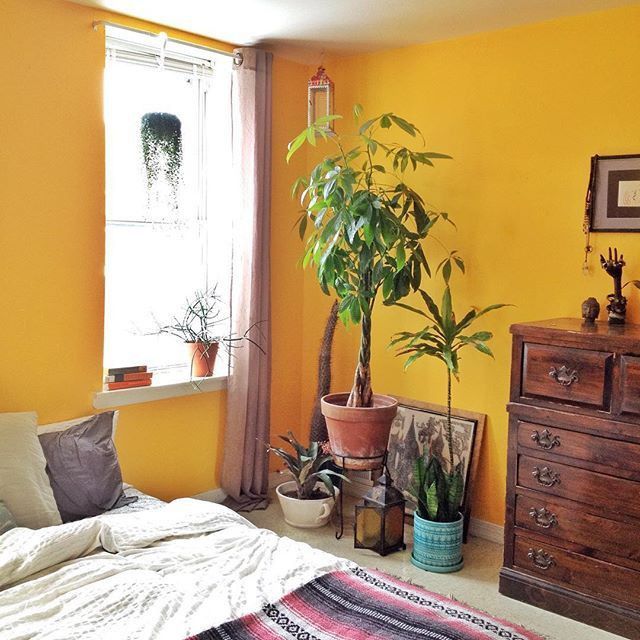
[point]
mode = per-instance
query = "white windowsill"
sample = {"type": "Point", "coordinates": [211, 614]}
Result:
{"type": "Point", "coordinates": [123, 397]}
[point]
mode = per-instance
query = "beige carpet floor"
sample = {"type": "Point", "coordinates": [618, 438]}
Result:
{"type": "Point", "coordinates": [476, 584]}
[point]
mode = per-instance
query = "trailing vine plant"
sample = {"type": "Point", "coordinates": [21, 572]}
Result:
{"type": "Point", "coordinates": [161, 138]}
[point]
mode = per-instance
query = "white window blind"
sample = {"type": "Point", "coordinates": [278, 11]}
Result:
{"type": "Point", "coordinates": [163, 244]}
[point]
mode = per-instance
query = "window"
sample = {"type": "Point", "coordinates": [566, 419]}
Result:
{"type": "Point", "coordinates": [168, 226]}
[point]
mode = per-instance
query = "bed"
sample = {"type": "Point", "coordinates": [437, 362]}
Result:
{"type": "Point", "coordinates": [190, 568]}
{"type": "Point", "coordinates": [84, 556]}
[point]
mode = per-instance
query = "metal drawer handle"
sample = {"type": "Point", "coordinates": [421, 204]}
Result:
{"type": "Point", "coordinates": [564, 376]}
{"type": "Point", "coordinates": [546, 476]}
{"type": "Point", "coordinates": [543, 517]}
{"type": "Point", "coordinates": [545, 439]}
{"type": "Point", "coordinates": [541, 559]}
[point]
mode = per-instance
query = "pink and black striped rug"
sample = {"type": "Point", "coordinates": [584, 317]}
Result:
{"type": "Point", "coordinates": [364, 604]}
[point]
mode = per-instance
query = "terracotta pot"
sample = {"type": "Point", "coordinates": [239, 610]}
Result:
{"type": "Point", "coordinates": [358, 432]}
{"type": "Point", "coordinates": [202, 359]}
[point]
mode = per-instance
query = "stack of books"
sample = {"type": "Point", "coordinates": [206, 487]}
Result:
{"type": "Point", "coordinates": [127, 377]}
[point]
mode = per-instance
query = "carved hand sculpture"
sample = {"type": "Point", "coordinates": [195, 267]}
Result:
{"type": "Point", "coordinates": [617, 306]}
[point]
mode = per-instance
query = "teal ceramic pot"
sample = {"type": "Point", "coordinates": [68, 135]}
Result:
{"type": "Point", "coordinates": [437, 546]}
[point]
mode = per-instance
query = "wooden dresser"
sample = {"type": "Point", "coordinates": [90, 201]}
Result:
{"type": "Point", "coordinates": [572, 533]}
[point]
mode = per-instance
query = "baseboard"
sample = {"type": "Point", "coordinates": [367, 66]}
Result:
{"type": "Point", "coordinates": [213, 495]}
{"type": "Point", "coordinates": [486, 530]}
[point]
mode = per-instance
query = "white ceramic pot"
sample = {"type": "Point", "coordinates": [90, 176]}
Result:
{"type": "Point", "coordinates": [306, 514]}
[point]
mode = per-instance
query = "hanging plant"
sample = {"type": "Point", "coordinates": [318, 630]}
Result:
{"type": "Point", "coordinates": [161, 137]}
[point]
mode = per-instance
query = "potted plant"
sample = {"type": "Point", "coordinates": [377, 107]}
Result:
{"type": "Point", "coordinates": [308, 499]}
{"type": "Point", "coordinates": [438, 484]}
{"type": "Point", "coordinates": [161, 141]}
{"type": "Point", "coordinates": [365, 242]}
{"type": "Point", "coordinates": [199, 327]}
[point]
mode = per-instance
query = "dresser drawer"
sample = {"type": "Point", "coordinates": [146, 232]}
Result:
{"type": "Point", "coordinates": [565, 520]}
{"type": "Point", "coordinates": [563, 374]}
{"type": "Point", "coordinates": [581, 446]}
{"type": "Point", "coordinates": [582, 573]}
{"type": "Point", "coordinates": [613, 495]}
{"type": "Point", "coordinates": [630, 384]}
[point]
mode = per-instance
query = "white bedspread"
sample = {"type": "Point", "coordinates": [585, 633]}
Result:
{"type": "Point", "coordinates": [160, 574]}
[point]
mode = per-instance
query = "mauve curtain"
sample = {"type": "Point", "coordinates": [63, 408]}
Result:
{"type": "Point", "coordinates": [245, 475]}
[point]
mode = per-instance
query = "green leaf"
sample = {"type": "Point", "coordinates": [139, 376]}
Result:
{"type": "Point", "coordinates": [311, 136]}
{"type": "Point", "coordinates": [482, 347]}
{"type": "Point", "coordinates": [302, 228]}
{"type": "Point", "coordinates": [448, 321]}
{"type": "Point", "coordinates": [492, 307]}
{"type": "Point", "coordinates": [482, 336]}
{"type": "Point", "coordinates": [446, 271]}
{"type": "Point", "coordinates": [357, 111]}
{"type": "Point", "coordinates": [323, 120]}
{"type": "Point", "coordinates": [385, 121]}
{"type": "Point", "coordinates": [432, 306]}
{"type": "Point", "coordinates": [410, 308]}
{"type": "Point", "coordinates": [432, 501]}
{"type": "Point", "coordinates": [404, 125]}
{"type": "Point", "coordinates": [295, 144]}
{"type": "Point", "coordinates": [400, 256]}
{"type": "Point", "coordinates": [366, 125]}
{"type": "Point", "coordinates": [455, 494]}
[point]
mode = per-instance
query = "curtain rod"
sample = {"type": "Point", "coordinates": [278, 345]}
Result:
{"type": "Point", "coordinates": [237, 56]}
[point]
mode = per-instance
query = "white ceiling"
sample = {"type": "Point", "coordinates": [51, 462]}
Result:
{"type": "Point", "coordinates": [302, 29]}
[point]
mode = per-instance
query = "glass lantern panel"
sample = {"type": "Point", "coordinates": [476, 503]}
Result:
{"type": "Point", "coordinates": [319, 101]}
{"type": "Point", "coordinates": [394, 526]}
{"type": "Point", "coordinates": [368, 526]}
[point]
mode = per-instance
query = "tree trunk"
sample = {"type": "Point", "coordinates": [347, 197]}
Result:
{"type": "Point", "coordinates": [361, 394]}
{"type": "Point", "coordinates": [318, 423]}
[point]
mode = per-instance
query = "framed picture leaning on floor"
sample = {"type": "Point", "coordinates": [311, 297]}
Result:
{"type": "Point", "coordinates": [420, 427]}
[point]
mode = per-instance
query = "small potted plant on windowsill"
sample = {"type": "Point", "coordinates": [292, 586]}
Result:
{"type": "Point", "coordinates": [438, 484]}
{"type": "Point", "coordinates": [308, 499]}
{"type": "Point", "coordinates": [199, 328]}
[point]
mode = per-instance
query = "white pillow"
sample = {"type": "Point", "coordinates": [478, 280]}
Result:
{"type": "Point", "coordinates": [54, 427]}
{"type": "Point", "coordinates": [24, 485]}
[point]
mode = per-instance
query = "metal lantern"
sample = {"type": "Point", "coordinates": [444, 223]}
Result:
{"type": "Point", "coordinates": [380, 520]}
{"type": "Point", "coordinates": [320, 97]}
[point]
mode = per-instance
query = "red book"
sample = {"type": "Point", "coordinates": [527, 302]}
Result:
{"type": "Point", "coordinates": [129, 384]}
{"type": "Point", "coordinates": [126, 377]}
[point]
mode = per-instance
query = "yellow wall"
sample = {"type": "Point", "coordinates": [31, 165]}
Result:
{"type": "Point", "coordinates": [52, 250]}
{"type": "Point", "coordinates": [521, 111]}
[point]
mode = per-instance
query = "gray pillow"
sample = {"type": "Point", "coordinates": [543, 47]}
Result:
{"type": "Point", "coordinates": [83, 468]}
{"type": "Point", "coordinates": [6, 519]}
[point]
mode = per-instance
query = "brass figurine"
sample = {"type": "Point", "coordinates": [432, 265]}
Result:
{"type": "Point", "coordinates": [617, 306]}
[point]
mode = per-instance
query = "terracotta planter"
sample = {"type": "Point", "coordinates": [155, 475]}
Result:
{"type": "Point", "coordinates": [358, 432]}
{"type": "Point", "coordinates": [306, 514]}
{"type": "Point", "coordinates": [202, 359]}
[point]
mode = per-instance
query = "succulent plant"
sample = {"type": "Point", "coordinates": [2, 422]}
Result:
{"type": "Point", "coordinates": [307, 467]}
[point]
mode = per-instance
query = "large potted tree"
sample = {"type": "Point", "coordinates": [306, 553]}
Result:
{"type": "Point", "coordinates": [438, 483]}
{"type": "Point", "coordinates": [365, 229]}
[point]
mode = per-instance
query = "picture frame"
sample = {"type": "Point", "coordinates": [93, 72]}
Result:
{"type": "Point", "coordinates": [613, 197]}
{"type": "Point", "coordinates": [419, 425]}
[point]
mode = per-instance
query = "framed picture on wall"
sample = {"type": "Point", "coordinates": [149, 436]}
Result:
{"type": "Point", "coordinates": [421, 426]}
{"type": "Point", "coordinates": [613, 200]}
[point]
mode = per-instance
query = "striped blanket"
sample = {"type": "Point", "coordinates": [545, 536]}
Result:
{"type": "Point", "coordinates": [363, 604]}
